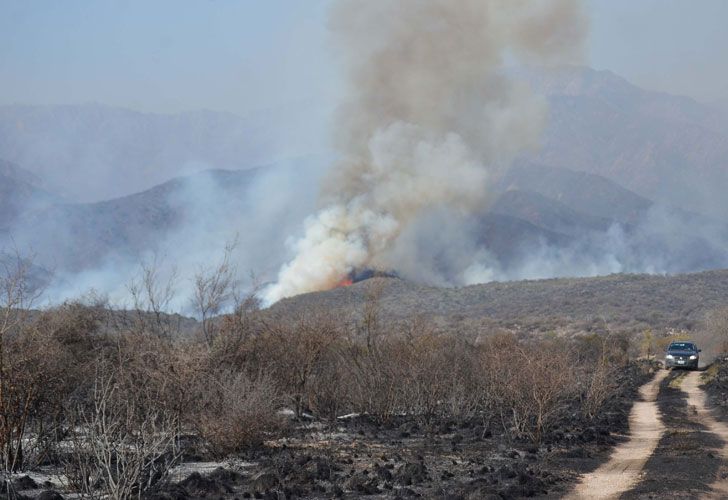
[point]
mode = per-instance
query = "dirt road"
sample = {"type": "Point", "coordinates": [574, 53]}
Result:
{"type": "Point", "coordinates": [625, 465]}
{"type": "Point", "coordinates": [697, 402]}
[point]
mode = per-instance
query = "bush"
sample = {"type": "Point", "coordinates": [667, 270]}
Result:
{"type": "Point", "coordinates": [121, 447]}
{"type": "Point", "coordinates": [236, 412]}
{"type": "Point", "coordinates": [528, 386]}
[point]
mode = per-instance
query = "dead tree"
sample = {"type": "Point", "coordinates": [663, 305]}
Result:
{"type": "Point", "coordinates": [17, 390]}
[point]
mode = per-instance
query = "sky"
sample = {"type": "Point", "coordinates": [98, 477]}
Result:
{"type": "Point", "coordinates": [250, 55]}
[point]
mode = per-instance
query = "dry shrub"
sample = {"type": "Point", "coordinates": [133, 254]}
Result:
{"type": "Point", "coordinates": [44, 362]}
{"type": "Point", "coordinates": [601, 386]}
{"type": "Point", "coordinates": [528, 386]}
{"type": "Point", "coordinates": [438, 378]}
{"type": "Point", "coordinates": [463, 401]}
{"type": "Point", "coordinates": [423, 375]}
{"type": "Point", "coordinates": [299, 354]}
{"type": "Point", "coordinates": [230, 385]}
{"type": "Point", "coordinates": [713, 337]}
{"type": "Point", "coordinates": [375, 379]}
{"type": "Point", "coordinates": [236, 411]}
{"type": "Point", "coordinates": [327, 392]}
{"type": "Point", "coordinates": [169, 369]}
{"type": "Point", "coordinates": [121, 447]}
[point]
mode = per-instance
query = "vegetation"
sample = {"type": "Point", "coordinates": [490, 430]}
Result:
{"type": "Point", "coordinates": [116, 407]}
{"type": "Point", "coordinates": [617, 303]}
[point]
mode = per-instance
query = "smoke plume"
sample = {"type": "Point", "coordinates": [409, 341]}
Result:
{"type": "Point", "coordinates": [429, 119]}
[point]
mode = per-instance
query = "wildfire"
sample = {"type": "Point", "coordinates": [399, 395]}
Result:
{"type": "Point", "coordinates": [345, 282]}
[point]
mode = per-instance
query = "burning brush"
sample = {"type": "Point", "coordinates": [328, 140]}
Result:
{"type": "Point", "coordinates": [363, 275]}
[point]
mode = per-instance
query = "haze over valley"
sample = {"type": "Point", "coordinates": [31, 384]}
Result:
{"type": "Point", "coordinates": [626, 180]}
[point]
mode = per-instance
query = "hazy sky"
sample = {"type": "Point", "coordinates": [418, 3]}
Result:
{"type": "Point", "coordinates": [171, 55]}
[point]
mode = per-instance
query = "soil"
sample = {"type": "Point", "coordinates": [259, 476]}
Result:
{"type": "Point", "coordinates": [624, 468]}
{"type": "Point", "coordinates": [686, 459]}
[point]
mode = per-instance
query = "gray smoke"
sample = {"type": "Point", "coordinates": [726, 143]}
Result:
{"type": "Point", "coordinates": [429, 120]}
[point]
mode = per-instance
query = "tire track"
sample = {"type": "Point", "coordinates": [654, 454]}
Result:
{"type": "Point", "coordinates": [625, 465]}
{"type": "Point", "coordinates": [697, 400]}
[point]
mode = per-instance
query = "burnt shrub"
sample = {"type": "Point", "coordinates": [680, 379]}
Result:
{"type": "Point", "coordinates": [236, 411]}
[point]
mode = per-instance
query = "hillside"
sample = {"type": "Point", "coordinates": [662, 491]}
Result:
{"type": "Point", "coordinates": [76, 237]}
{"type": "Point", "coordinates": [610, 228]}
{"type": "Point", "coordinates": [607, 193]}
{"type": "Point", "coordinates": [19, 191]}
{"type": "Point", "coordinates": [548, 213]}
{"type": "Point", "coordinates": [582, 192]}
{"type": "Point", "coordinates": [664, 147]}
{"type": "Point", "coordinates": [95, 152]}
{"type": "Point", "coordinates": [544, 222]}
{"type": "Point", "coordinates": [623, 302]}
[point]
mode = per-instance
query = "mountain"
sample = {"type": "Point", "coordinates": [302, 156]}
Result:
{"type": "Point", "coordinates": [12, 171]}
{"type": "Point", "coordinates": [509, 238]}
{"type": "Point", "coordinates": [549, 214]}
{"type": "Point", "coordinates": [546, 221]}
{"type": "Point", "coordinates": [620, 185]}
{"type": "Point", "coordinates": [184, 223]}
{"type": "Point", "coordinates": [94, 152]}
{"type": "Point", "coordinates": [19, 191]}
{"type": "Point", "coordinates": [611, 229]}
{"type": "Point", "coordinates": [666, 148]}
{"type": "Point", "coordinates": [76, 237]}
{"type": "Point", "coordinates": [581, 192]}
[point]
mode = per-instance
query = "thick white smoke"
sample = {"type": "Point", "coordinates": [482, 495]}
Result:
{"type": "Point", "coordinates": [429, 118]}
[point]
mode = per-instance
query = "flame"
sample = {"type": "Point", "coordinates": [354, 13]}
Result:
{"type": "Point", "coordinates": [345, 282]}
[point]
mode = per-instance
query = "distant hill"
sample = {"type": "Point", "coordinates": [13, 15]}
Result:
{"type": "Point", "coordinates": [94, 152]}
{"type": "Point", "coordinates": [620, 302]}
{"type": "Point", "coordinates": [621, 184]}
{"type": "Point", "coordinates": [19, 191]}
{"type": "Point", "coordinates": [550, 214]}
{"type": "Point", "coordinates": [509, 238]}
{"type": "Point", "coordinates": [76, 237]}
{"type": "Point", "coordinates": [545, 221]}
{"type": "Point", "coordinates": [667, 148]}
{"type": "Point", "coordinates": [582, 192]}
{"type": "Point", "coordinates": [608, 221]}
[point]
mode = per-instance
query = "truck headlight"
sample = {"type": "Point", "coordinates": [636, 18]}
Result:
{"type": "Point", "coordinates": [693, 357]}
{"type": "Point", "coordinates": [669, 356]}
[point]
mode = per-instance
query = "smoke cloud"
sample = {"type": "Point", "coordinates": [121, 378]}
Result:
{"type": "Point", "coordinates": [429, 120]}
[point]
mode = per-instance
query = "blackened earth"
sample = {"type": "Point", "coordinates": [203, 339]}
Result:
{"type": "Point", "coordinates": [409, 459]}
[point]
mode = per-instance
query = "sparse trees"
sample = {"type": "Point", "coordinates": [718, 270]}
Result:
{"type": "Point", "coordinates": [214, 288]}
{"type": "Point", "coordinates": [120, 400]}
{"type": "Point", "coordinates": [152, 293]}
{"type": "Point", "coordinates": [121, 446]}
{"type": "Point", "coordinates": [600, 384]}
{"type": "Point", "coordinates": [19, 379]}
